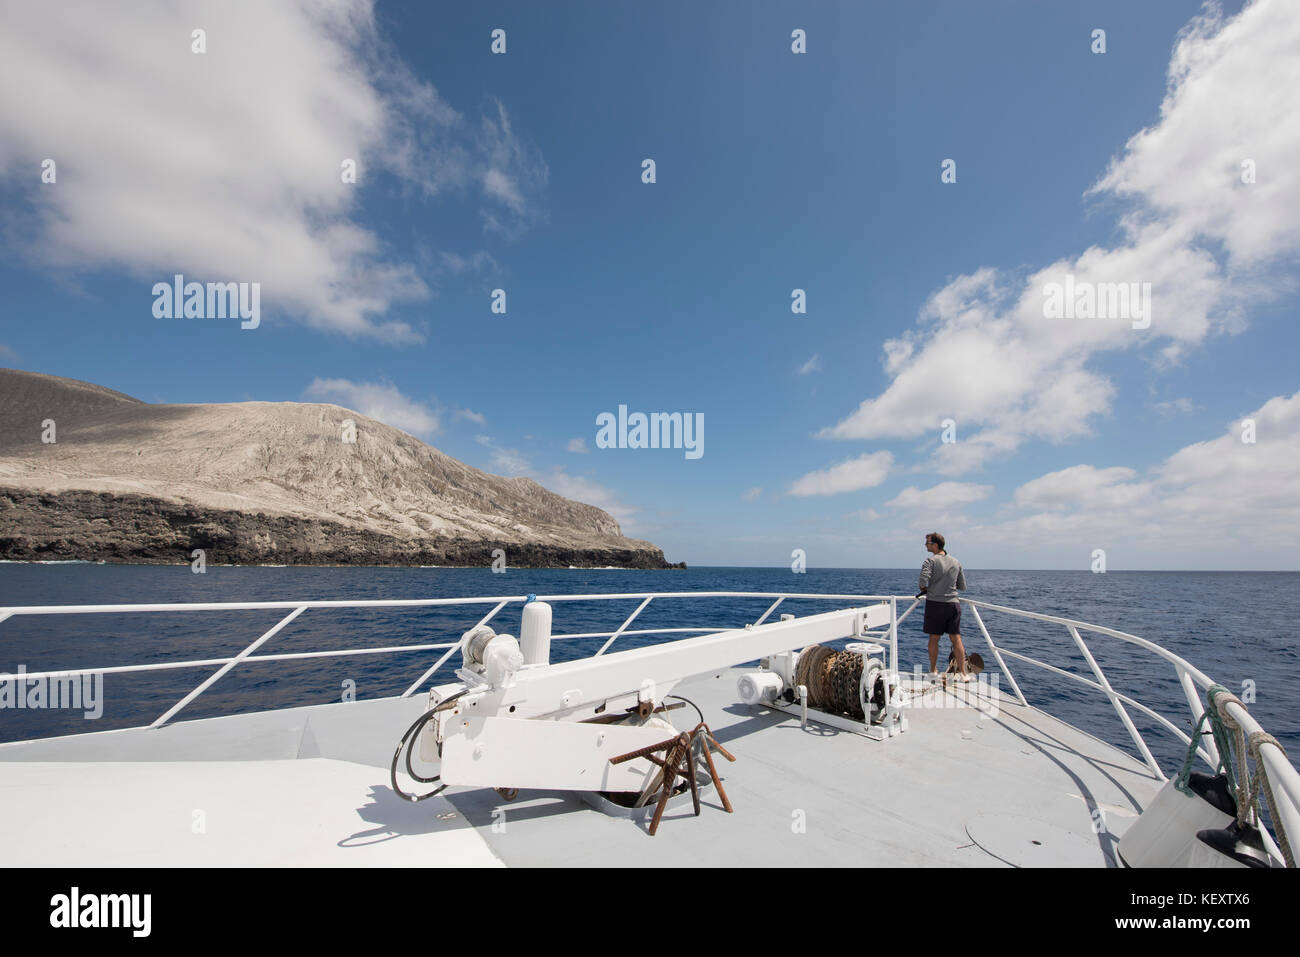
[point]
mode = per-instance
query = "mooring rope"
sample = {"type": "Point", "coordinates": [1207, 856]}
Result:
{"type": "Point", "coordinates": [1260, 780]}
{"type": "Point", "coordinates": [1222, 742]}
{"type": "Point", "coordinates": [1230, 739]}
{"type": "Point", "coordinates": [1185, 772]}
{"type": "Point", "coordinates": [1220, 697]}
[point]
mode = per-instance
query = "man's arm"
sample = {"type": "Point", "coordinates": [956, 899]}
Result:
{"type": "Point", "coordinates": [961, 578]}
{"type": "Point", "coordinates": [925, 575]}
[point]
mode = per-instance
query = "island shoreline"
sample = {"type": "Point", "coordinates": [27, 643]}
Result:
{"type": "Point", "coordinates": [81, 525]}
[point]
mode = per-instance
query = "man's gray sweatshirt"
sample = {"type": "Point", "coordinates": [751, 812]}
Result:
{"type": "Point", "coordinates": [942, 577]}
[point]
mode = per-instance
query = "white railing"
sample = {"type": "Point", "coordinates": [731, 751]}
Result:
{"type": "Point", "coordinates": [1284, 777]}
{"type": "Point", "coordinates": [296, 608]}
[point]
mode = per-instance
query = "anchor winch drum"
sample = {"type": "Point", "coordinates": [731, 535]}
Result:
{"type": "Point", "coordinates": [496, 657]}
{"type": "Point", "coordinates": [873, 692]}
{"type": "Point", "coordinates": [473, 644]}
{"type": "Point", "coordinates": [1164, 835]}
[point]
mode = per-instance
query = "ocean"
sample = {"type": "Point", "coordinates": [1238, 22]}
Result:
{"type": "Point", "coordinates": [1237, 627]}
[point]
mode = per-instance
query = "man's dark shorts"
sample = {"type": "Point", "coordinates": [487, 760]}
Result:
{"type": "Point", "coordinates": [942, 617]}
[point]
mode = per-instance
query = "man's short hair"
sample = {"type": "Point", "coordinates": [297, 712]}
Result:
{"type": "Point", "coordinates": [936, 538]}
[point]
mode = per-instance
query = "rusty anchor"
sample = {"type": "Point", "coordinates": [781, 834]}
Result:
{"type": "Point", "coordinates": [681, 755]}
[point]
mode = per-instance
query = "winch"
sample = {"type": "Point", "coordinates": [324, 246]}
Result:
{"type": "Point", "coordinates": [516, 720]}
{"type": "Point", "coordinates": [849, 688]}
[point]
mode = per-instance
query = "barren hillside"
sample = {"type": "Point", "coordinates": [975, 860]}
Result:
{"type": "Point", "coordinates": [265, 481]}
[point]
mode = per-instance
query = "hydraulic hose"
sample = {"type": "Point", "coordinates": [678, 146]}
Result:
{"type": "Point", "coordinates": [408, 741]}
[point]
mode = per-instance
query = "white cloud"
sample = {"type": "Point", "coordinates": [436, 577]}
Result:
{"type": "Point", "coordinates": [504, 460]}
{"type": "Point", "coordinates": [514, 172]}
{"type": "Point", "coordinates": [1083, 487]}
{"type": "Point", "coordinates": [1228, 101]}
{"type": "Point", "coordinates": [862, 472]}
{"type": "Point", "coordinates": [378, 400]}
{"type": "Point", "coordinates": [7, 353]}
{"type": "Point", "coordinates": [1217, 504]}
{"type": "Point", "coordinates": [1212, 504]}
{"type": "Point", "coordinates": [968, 454]}
{"type": "Point", "coordinates": [226, 165]}
{"type": "Point", "coordinates": [1175, 406]}
{"type": "Point", "coordinates": [812, 365]}
{"type": "Point", "coordinates": [945, 495]}
{"type": "Point", "coordinates": [984, 354]}
{"type": "Point", "coordinates": [457, 265]}
{"type": "Point", "coordinates": [501, 186]}
{"type": "Point", "coordinates": [582, 489]}
{"type": "Point", "coordinates": [1241, 484]}
{"type": "Point", "coordinates": [751, 495]}
{"type": "Point", "coordinates": [471, 416]}
{"type": "Point", "coordinates": [578, 445]}
{"type": "Point", "coordinates": [512, 462]}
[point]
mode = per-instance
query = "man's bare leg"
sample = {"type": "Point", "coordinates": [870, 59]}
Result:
{"type": "Point", "coordinates": [934, 653]}
{"type": "Point", "coordinates": [959, 651]}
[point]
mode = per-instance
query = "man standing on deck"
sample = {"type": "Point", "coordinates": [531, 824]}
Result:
{"type": "Point", "coordinates": [941, 578]}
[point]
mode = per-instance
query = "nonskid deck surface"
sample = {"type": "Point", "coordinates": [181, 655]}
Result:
{"type": "Point", "coordinates": [957, 789]}
{"type": "Point", "coordinates": [314, 812]}
{"type": "Point", "coordinates": [954, 790]}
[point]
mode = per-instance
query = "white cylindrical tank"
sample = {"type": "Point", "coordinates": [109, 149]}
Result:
{"type": "Point", "coordinates": [755, 687]}
{"type": "Point", "coordinates": [535, 633]}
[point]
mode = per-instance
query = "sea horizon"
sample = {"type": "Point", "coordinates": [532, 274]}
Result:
{"type": "Point", "coordinates": [690, 566]}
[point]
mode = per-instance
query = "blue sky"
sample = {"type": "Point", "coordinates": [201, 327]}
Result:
{"type": "Point", "coordinates": [775, 171]}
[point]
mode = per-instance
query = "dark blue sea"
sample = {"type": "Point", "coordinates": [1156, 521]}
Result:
{"type": "Point", "coordinates": [1235, 626]}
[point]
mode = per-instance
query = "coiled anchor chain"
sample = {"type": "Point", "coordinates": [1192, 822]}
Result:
{"type": "Point", "coordinates": [832, 679]}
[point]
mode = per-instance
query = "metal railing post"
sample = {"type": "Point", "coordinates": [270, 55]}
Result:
{"type": "Point", "coordinates": [212, 679]}
{"type": "Point", "coordinates": [623, 627]}
{"type": "Point", "coordinates": [438, 664]}
{"type": "Point", "coordinates": [1119, 705]}
{"type": "Point", "coordinates": [1198, 709]}
{"type": "Point", "coordinates": [998, 655]}
{"type": "Point", "coordinates": [769, 611]}
{"type": "Point", "coordinates": [910, 608]}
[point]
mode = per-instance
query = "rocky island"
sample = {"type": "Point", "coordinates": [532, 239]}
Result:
{"type": "Point", "coordinates": [90, 474]}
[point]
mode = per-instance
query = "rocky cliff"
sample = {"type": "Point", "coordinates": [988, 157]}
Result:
{"type": "Point", "coordinates": [265, 482]}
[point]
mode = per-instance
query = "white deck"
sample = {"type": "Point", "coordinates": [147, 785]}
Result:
{"type": "Point", "coordinates": [314, 812]}
{"type": "Point", "coordinates": [957, 789]}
